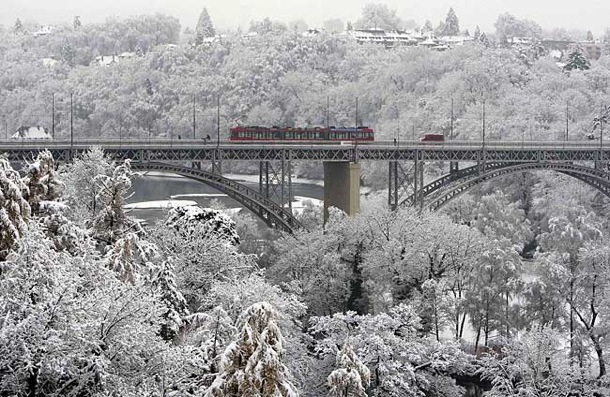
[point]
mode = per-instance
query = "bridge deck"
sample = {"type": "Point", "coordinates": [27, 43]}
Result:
{"type": "Point", "coordinates": [194, 150]}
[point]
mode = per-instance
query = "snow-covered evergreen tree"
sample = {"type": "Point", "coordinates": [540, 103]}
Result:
{"type": "Point", "coordinates": [352, 377]}
{"type": "Point", "coordinates": [211, 332]}
{"type": "Point", "coordinates": [204, 28]}
{"type": "Point", "coordinates": [137, 260]}
{"type": "Point", "coordinates": [477, 34]}
{"type": "Point", "coordinates": [252, 365]}
{"type": "Point", "coordinates": [452, 24]}
{"type": "Point", "coordinates": [576, 61]}
{"type": "Point", "coordinates": [202, 223]}
{"type": "Point", "coordinates": [14, 209]}
{"type": "Point", "coordinates": [42, 181]}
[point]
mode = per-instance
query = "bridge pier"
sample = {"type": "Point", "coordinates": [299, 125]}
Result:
{"type": "Point", "coordinates": [275, 182]}
{"type": "Point", "coordinates": [342, 187]}
{"type": "Point", "coordinates": [400, 183]}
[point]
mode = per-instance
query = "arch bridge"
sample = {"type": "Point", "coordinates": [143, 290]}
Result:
{"type": "Point", "coordinates": [436, 194]}
{"type": "Point", "coordinates": [483, 161]}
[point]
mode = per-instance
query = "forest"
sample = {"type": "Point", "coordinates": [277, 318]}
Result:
{"type": "Point", "coordinates": [502, 292]}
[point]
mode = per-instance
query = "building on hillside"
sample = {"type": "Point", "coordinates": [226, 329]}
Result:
{"type": "Point", "coordinates": [311, 32]}
{"type": "Point", "coordinates": [523, 40]}
{"type": "Point", "coordinates": [43, 31]}
{"type": "Point", "coordinates": [452, 41]}
{"type": "Point", "coordinates": [591, 50]}
{"type": "Point", "coordinates": [107, 60]}
{"type": "Point", "coordinates": [34, 133]}
{"type": "Point", "coordinates": [49, 62]}
{"type": "Point", "coordinates": [387, 38]}
{"type": "Point", "coordinates": [433, 44]}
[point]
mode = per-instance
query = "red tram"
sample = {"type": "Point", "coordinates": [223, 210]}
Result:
{"type": "Point", "coordinates": [256, 133]}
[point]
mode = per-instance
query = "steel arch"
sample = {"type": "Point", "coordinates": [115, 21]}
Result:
{"type": "Point", "coordinates": [271, 213]}
{"type": "Point", "coordinates": [448, 187]}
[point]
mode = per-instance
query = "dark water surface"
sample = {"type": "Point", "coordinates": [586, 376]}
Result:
{"type": "Point", "coordinates": [162, 186]}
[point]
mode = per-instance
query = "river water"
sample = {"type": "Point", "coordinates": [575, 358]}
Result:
{"type": "Point", "coordinates": [157, 186]}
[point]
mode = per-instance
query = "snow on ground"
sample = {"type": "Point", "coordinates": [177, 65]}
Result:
{"type": "Point", "coordinates": [167, 204]}
{"type": "Point", "coordinates": [300, 203]}
{"type": "Point", "coordinates": [255, 179]}
{"type": "Point", "coordinates": [159, 204]}
{"type": "Point", "coordinates": [206, 195]}
{"type": "Point", "coordinates": [157, 174]}
{"type": "Point", "coordinates": [245, 178]}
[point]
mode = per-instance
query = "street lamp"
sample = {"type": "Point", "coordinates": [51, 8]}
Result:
{"type": "Point", "coordinates": [71, 123]}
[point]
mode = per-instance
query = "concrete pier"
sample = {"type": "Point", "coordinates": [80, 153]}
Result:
{"type": "Point", "coordinates": [342, 187]}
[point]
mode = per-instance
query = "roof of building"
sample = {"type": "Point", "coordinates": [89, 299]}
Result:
{"type": "Point", "coordinates": [27, 132]}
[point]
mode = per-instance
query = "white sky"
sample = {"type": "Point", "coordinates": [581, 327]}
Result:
{"type": "Point", "coordinates": [584, 14]}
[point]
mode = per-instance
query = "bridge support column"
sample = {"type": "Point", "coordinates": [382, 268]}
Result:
{"type": "Point", "coordinates": [342, 187]}
{"type": "Point", "coordinates": [217, 162]}
{"type": "Point", "coordinates": [275, 182]}
{"type": "Point", "coordinates": [454, 167]}
{"type": "Point", "coordinates": [418, 182]}
{"type": "Point", "coordinates": [400, 183]}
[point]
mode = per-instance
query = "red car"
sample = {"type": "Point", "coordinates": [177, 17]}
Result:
{"type": "Point", "coordinates": [432, 138]}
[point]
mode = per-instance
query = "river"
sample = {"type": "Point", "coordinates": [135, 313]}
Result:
{"type": "Point", "coordinates": [157, 186]}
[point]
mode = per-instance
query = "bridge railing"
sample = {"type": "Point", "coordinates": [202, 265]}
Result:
{"type": "Point", "coordinates": [195, 143]}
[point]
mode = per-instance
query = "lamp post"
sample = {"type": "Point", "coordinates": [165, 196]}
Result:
{"type": "Point", "coordinates": [218, 121]}
{"type": "Point", "coordinates": [53, 116]}
{"type": "Point", "coordinates": [601, 130]}
{"type": "Point", "coordinates": [194, 117]}
{"type": "Point", "coordinates": [71, 123]}
{"type": "Point", "coordinates": [483, 124]}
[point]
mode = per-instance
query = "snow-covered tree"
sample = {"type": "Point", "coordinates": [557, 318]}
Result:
{"type": "Point", "coordinates": [399, 361]}
{"type": "Point", "coordinates": [352, 377]}
{"type": "Point", "coordinates": [563, 249]}
{"type": "Point", "coordinates": [428, 28]}
{"type": "Point", "coordinates": [477, 33]}
{"type": "Point", "coordinates": [204, 28]}
{"type": "Point", "coordinates": [378, 16]}
{"type": "Point", "coordinates": [252, 365]}
{"type": "Point", "coordinates": [309, 262]}
{"type": "Point", "coordinates": [202, 223]}
{"type": "Point", "coordinates": [70, 327]}
{"type": "Point", "coordinates": [14, 209]}
{"type": "Point", "coordinates": [508, 26]}
{"type": "Point", "coordinates": [42, 181]}
{"type": "Point", "coordinates": [77, 24]}
{"type": "Point", "coordinates": [576, 61]}
{"type": "Point", "coordinates": [111, 223]}
{"type": "Point", "coordinates": [18, 26]}
{"type": "Point", "coordinates": [82, 178]}
{"type": "Point", "coordinates": [211, 332]}
{"type": "Point", "coordinates": [534, 365]}
{"type": "Point", "coordinates": [452, 24]}
{"type": "Point", "coordinates": [199, 243]}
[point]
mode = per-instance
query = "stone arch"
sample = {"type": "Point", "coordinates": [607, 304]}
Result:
{"type": "Point", "coordinates": [270, 212]}
{"type": "Point", "coordinates": [439, 192]}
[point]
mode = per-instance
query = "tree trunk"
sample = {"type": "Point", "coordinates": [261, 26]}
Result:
{"type": "Point", "coordinates": [571, 321]}
{"type": "Point", "coordinates": [438, 339]}
{"type": "Point", "coordinates": [600, 356]}
{"type": "Point", "coordinates": [462, 325]}
{"type": "Point", "coordinates": [33, 380]}
{"type": "Point", "coordinates": [476, 342]}
{"type": "Point", "coordinates": [507, 315]}
{"type": "Point", "coordinates": [486, 329]}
